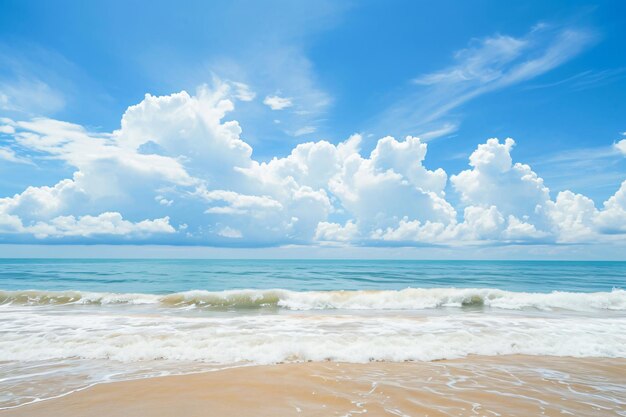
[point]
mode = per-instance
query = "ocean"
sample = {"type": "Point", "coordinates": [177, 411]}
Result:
{"type": "Point", "coordinates": [67, 324]}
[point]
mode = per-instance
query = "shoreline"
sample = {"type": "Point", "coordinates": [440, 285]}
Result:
{"type": "Point", "coordinates": [512, 385]}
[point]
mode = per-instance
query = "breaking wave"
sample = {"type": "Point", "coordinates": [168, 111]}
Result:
{"type": "Point", "coordinates": [406, 299]}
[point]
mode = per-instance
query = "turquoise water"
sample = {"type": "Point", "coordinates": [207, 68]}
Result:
{"type": "Point", "coordinates": [169, 276]}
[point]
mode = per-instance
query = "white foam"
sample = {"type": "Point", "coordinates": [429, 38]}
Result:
{"type": "Point", "coordinates": [406, 299]}
{"type": "Point", "coordinates": [88, 335]}
{"type": "Point", "coordinates": [276, 338]}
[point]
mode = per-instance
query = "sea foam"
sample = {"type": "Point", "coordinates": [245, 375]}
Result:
{"type": "Point", "coordinates": [406, 299]}
{"type": "Point", "coordinates": [276, 338]}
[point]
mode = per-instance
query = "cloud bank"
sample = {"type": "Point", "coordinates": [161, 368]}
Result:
{"type": "Point", "coordinates": [177, 171]}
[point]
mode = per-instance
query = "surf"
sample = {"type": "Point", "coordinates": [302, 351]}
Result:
{"type": "Point", "coordinates": [406, 299]}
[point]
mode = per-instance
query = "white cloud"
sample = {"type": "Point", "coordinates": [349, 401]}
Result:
{"type": "Point", "coordinates": [108, 224]}
{"type": "Point", "coordinates": [105, 224]}
{"type": "Point", "coordinates": [30, 96]}
{"type": "Point", "coordinates": [272, 58]}
{"type": "Point", "coordinates": [444, 130]}
{"type": "Point", "coordinates": [391, 184]}
{"type": "Point", "coordinates": [231, 233]}
{"type": "Point", "coordinates": [243, 92]}
{"type": "Point", "coordinates": [35, 81]}
{"type": "Point", "coordinates": [519, 231]}
{"type": "Point", "coordinates": [486, 65]}
{"type": "Point", "coordinates": [8, 129]}
{"type": "Point", "coordinates": [163, 201]}
{"type": "Point", "coordinates": [334, 232]}
{"type": "Point", "coordinates": [572, 216]}
{"type": "Point", "coordinates": [495, 181]}
{"type": "Point", "coordinates": [236, 203]}
{"type": "Point", "coordinates": [305, 131]}
{"type": "Point", "coordinates": [507, 202]}
{"type": "Point", "coordinates": [612, 219]}
{"type": "Point", "coordinates": [174, 157]}
{"type": "Point", "coordinates": [621, 146]}
{"type": "Point", "coordinates": [8, 154]}
{"type": "Point", "coordinates": [37, 203]}
{"type": "Point", "coordinates": [481, 225]}
{"type": "Point", "coordinates": [277, 103]}
{"type": "Point", "coordinates": [499, 61]}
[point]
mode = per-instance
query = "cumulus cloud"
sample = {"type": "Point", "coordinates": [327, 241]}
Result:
{"type": "Point", "coordinates": [178, 171]}
{"type": "Point", "coordinates": [105, 224]}
{"type": "Point", "coordinates": [621, 146]}
{"type": "Point", "coordinates": [391, 184]}
{"type": "Point", "coordinates": [515, 189]}
{"type": "Point", "coordinates": [108, 223]}
{"type": "Point", "coordinates": [335, 232]}
{"type": "Point", "coordinates": [572, 216]}
{"type": "Point", "coordinates": [277, 102]}
{"type": "Point", "coordinates": [612, 219]}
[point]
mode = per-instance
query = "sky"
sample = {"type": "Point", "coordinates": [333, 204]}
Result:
{"type": "Point", "coordinates": [411, 129]}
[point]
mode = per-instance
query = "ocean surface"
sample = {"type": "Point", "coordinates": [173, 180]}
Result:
{"type": "Point", "coordinates": [68, 324]}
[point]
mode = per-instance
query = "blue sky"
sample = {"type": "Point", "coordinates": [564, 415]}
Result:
{"type": "Point", "coordinates": [551, 75]}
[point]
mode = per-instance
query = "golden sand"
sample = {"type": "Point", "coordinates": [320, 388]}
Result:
{"type": "Point", "coordinates": [474, 386]}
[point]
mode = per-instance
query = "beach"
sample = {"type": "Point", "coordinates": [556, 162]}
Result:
{"type": "Point", "coordinates": [483, 386]}
{"type": "Point", "coordinates": [274, 338]}
{"type": "Point", "coordinates": [312, 208]}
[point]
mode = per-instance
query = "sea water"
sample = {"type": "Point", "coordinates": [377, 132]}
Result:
{"type": "Point", "coordinates": [68, 324]}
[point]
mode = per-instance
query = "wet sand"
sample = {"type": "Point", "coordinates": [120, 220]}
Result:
{"type": "Point", "coordinates": [473, 386]}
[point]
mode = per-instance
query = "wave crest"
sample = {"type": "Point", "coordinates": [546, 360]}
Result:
{"type": "Point", "coordinates": [406, 299]}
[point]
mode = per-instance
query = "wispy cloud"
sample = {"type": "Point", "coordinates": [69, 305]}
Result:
{"type": "Point", "coordinates": [584, 156]}
{"type": "Point", "coordinates": [444, 130]}
{"type": "Point", "coordinates": [485, 66]}
{"type": "Point", "coordinates": [24, 84]}
{"type": "Point", "coordinates": [277, 102]}
{"type": "Point", "coordinates": [30, 96]}
{"type": "Point", "coordinates": [243, 91]}
{"type": "Point", "coordinates": [306, 130]}
{"type": "Point", "coordinates": [36, 81]}
{"type": "Point", "coordinates": [9, 155]}
{"type": "Point", "coordinates": [586, 79]}
{"type": "Point", "coordinates": [583, 169]}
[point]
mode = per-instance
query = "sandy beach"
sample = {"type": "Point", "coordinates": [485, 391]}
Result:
{"type": "Point", "coordinates": [143, 350]}
{"type": "Point", "coordinates": [487, 386]}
